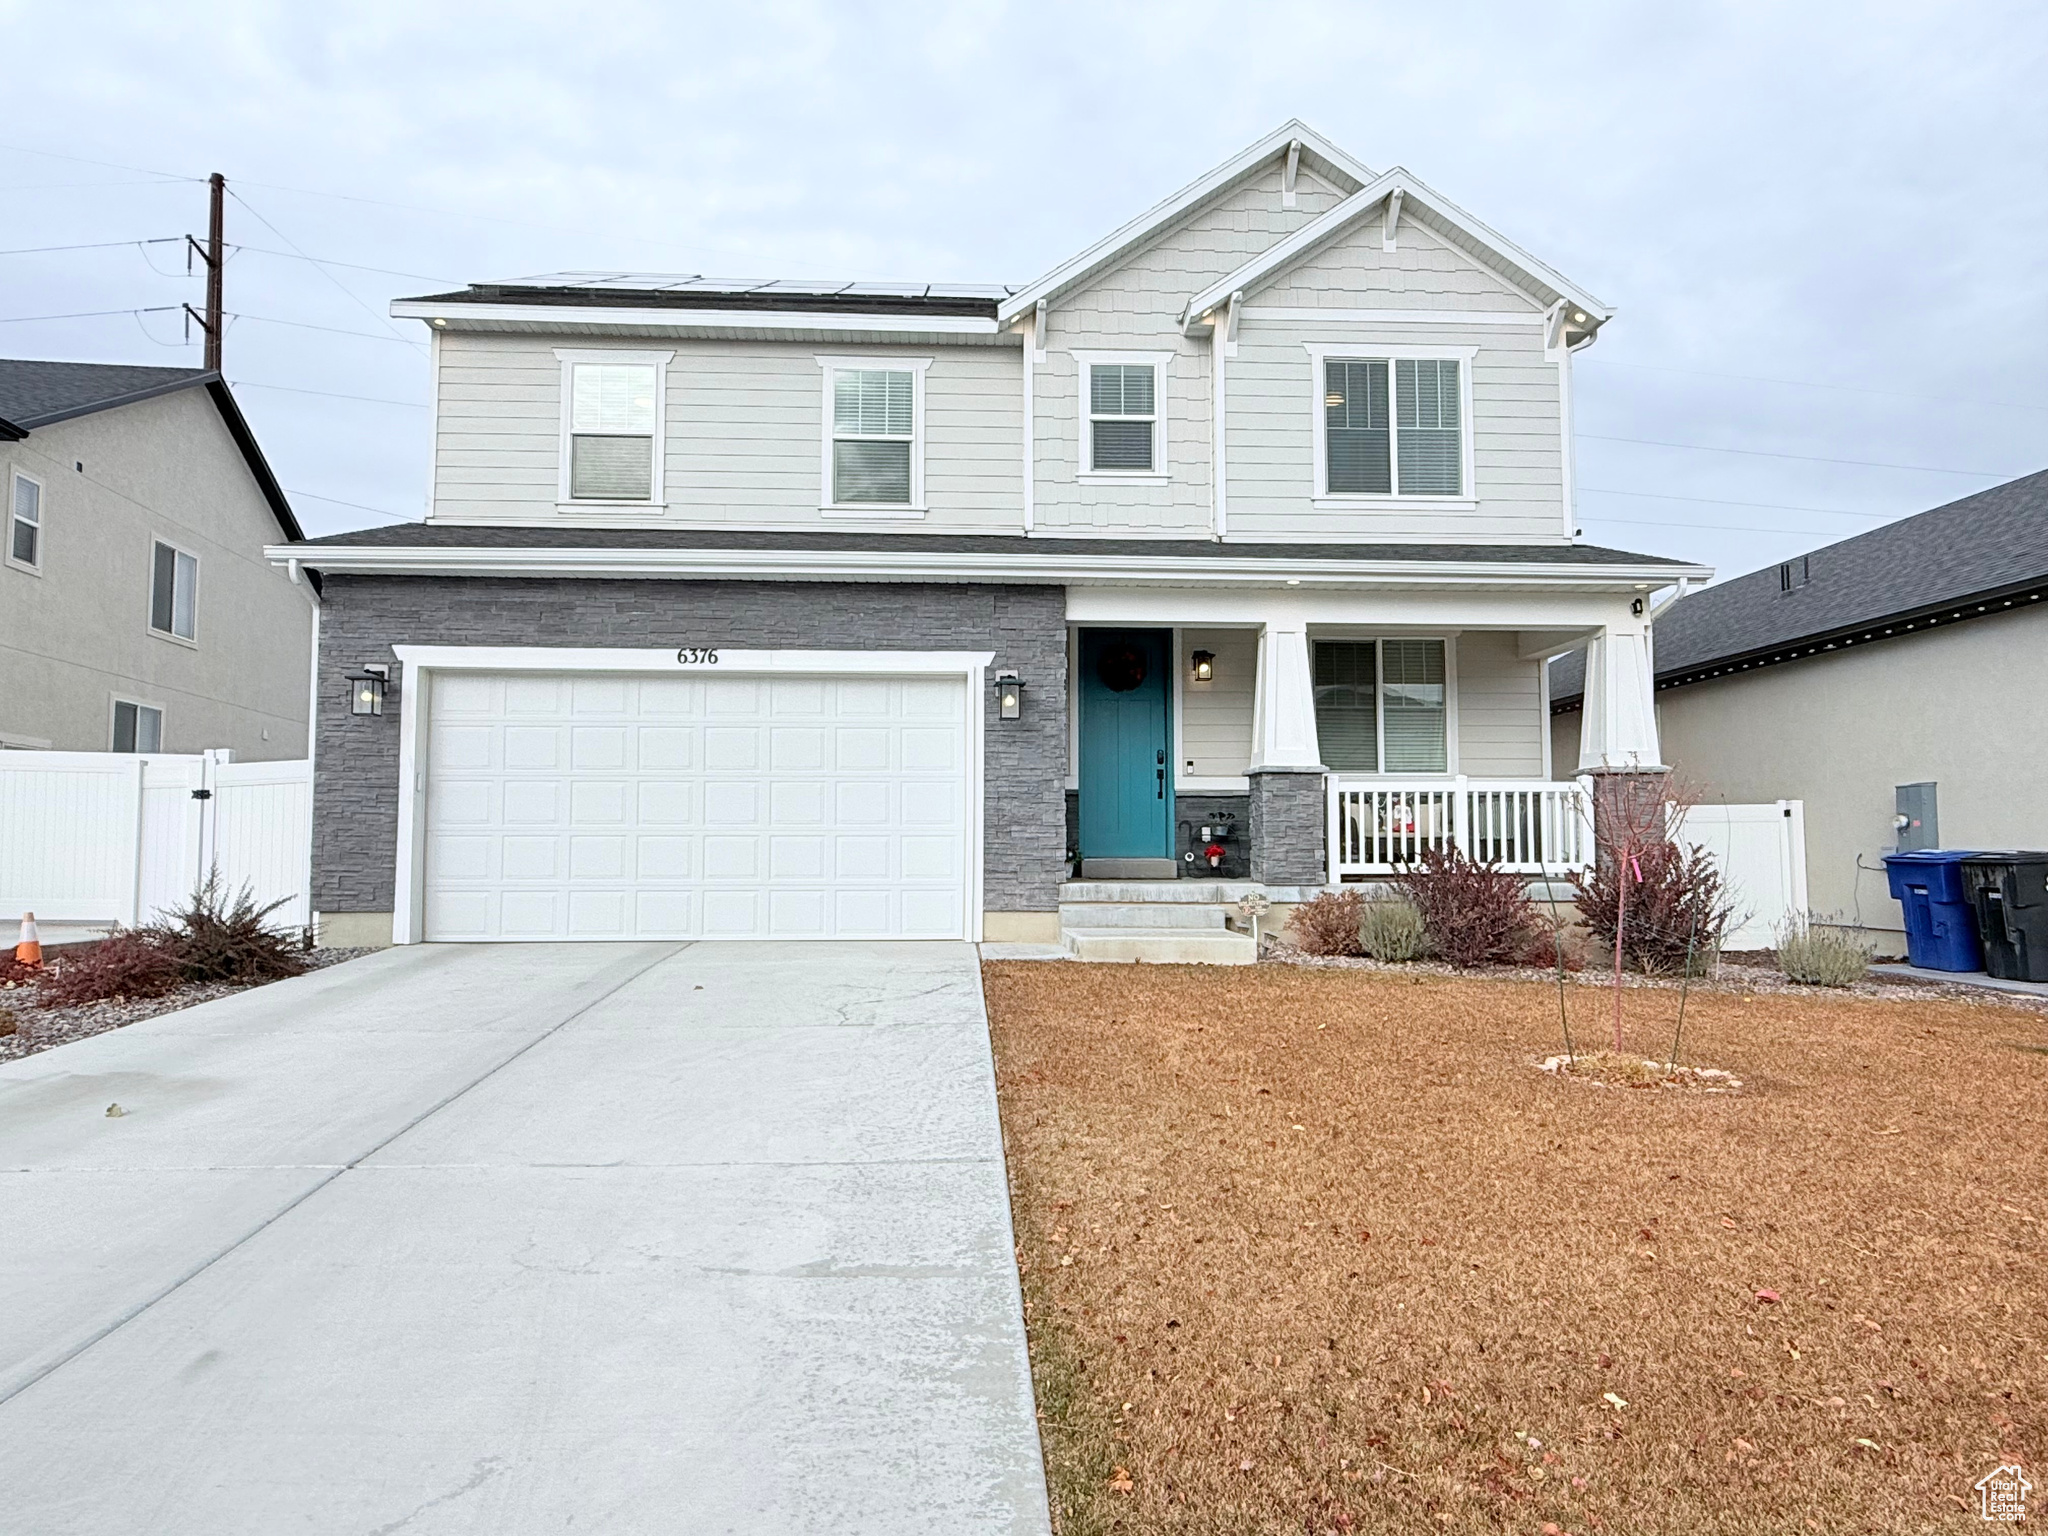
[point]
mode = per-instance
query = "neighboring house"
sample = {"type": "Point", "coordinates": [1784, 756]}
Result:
{"type": "Point", "coordinates": [795, 608]}
{"type": "Point", "coordinates": [1912, 658]}
{"type": "Point", "coordinates": [137, 613]}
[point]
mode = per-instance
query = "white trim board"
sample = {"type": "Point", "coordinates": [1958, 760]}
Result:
{"type": "Point", "coordinates": [422, 662]}
{"type": "Point", "coordinates": [1314, 316]}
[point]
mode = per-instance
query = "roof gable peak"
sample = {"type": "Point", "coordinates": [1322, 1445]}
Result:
{"type": "Point", "coordinates": [1323, 157]}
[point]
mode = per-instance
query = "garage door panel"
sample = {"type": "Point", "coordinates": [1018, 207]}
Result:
{"type": "Point", "coordinates": [620, 807]}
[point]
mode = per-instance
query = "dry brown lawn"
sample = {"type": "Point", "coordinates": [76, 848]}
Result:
{"type": "Point", "coordinates": [1321, 1250]}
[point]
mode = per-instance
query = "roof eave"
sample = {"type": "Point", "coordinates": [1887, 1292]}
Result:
{"type": "Point", "coordinates": [884, 565]}
{"type": "Point", "coordinates": [29, 424]}
{"type": "Point", "coordinates": [685, 321]}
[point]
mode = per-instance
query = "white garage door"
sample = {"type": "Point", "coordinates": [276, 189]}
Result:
{"type": "Point", "coordinates": [621, 807]}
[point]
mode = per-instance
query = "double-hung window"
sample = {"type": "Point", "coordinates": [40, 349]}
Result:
{"type": "Point", "coordinates": [25, 523]}
{"type": "Point", "coordinates": [1392, 426]}
{"type": "Point", "coordinates": [874, 435]}
{"type": "Point", "coordinates": [173, 592]}
{"type": "Point", "coordinates": [137, 727]}
{"type": "Point", "coordinates": [1382, 706]}
{"type": "Point", "coordinates": [613, 404]}
{"type": "Point", "coordinates": [1123, 418]}
{"type": "Point", "coordinates": [1122, 424]}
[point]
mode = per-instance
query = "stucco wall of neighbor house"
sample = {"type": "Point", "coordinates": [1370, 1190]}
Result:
{"type": "Point", "coordinates": [355, 797]}
{"type": "Point", "coordinates": [76, 637]}
{"type": "Point", "coordinates": [1965, 707]}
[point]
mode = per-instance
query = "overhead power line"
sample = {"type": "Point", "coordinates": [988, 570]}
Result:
{"type": "Point", "coordinates": [88, 314]}
{"type": "Point", "coordinates": [336, 501]}
{"type": "Point", "coordinates": [1804, 458]}
{"type": "Point", "coordinates": [1852, 389]}
{"type": "Point", "coordinates": [329, 394]}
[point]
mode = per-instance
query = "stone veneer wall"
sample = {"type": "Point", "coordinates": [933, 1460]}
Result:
{"type": "Point", "coordinates": [355, 786]}
{"type": "Point", "coordinates": [1289, 823]}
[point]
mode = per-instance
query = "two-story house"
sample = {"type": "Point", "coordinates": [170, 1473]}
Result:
{"type": "Point", "coordinates": [852, 609]}
{"type": "Point", "coordinates": [137, 613]}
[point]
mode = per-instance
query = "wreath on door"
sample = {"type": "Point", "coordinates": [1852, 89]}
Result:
{"type": "Point", "coordinates": [1121, 666]}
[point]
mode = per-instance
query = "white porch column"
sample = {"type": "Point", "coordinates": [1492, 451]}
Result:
{"type": "Point", "coordinates": [1618, 719]}
{"type": "Point", "coordinates": [1284, 700]}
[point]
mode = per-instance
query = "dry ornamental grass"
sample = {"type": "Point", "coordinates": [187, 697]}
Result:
{"type": "Point", "coordinates": [1320, 1250]}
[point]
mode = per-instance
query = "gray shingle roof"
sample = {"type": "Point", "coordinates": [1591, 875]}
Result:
{"type": "Point", "coordinates": [466, 536]}
{"type": "Point", "coordinates": [1994, 541]}
{"type": "Point", "coordinates": [36, 394]}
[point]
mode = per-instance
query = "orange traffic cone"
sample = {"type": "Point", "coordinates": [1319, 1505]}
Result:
{"type": "Point", "coordinates": [30, 950]}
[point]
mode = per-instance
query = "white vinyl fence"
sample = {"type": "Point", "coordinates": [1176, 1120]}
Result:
{"type": "Point", "coordinates": [97, 838]}
{"type": "Point", "coordinates": [1761, 853]}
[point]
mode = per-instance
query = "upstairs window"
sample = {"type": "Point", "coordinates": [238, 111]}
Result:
{"type": "Point", "coordinates": [1391, 426]}
{"type": "Point", "coordinates": [173, 592]}
{"type": "Point", "coordinates": [874, 429]}
{"type": "Point", "coordinates": [611, 432]}
{"type": "Point", "coordinates": [25, 523]}
{"type": "Point", "coordinates": [1123, 417]}
{"type": "Point", "coordinates": [1382, 706]}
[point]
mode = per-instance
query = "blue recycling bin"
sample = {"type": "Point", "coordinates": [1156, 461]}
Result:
{"type": "Point", "coordinates": [1941, 918]}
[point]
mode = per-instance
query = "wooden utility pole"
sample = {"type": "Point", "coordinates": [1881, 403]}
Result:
{"type": "Point", "coordinates": [214, 254]}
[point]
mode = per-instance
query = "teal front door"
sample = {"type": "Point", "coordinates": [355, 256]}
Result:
{"type": "Point", "coordinates": [1126, 780]}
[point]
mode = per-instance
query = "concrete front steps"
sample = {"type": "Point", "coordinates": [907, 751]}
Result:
{"type": "Point", "coordinates": [1161, 922]}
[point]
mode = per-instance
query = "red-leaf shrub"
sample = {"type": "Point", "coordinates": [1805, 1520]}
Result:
{"type": "Point", "coordinates": [1547, 943]}
{"type": "Point", "coordinates": [128, 964]}
{"type": "Point", "coordinates": [1474, 914]}
{"type": "Point", "coordinates": [1327, 923]}
{"type": "Point", "coordinates": [14, 973]}
{"type": "Point", "coordinates": [1678, 904]}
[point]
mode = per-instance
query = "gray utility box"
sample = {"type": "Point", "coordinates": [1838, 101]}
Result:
{"type": "Point", "coordinates": [1915, 819]}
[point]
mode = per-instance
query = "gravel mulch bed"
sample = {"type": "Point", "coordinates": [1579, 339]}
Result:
{"type": "Point", "coordinates": [1316, 1249]}
{"type": "Point", "coordinates": [1745, 976]}
{"type": "Point", "coordinates": [38, 1029]}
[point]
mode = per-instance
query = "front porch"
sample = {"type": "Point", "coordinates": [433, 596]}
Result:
{"type": "Point", "coordinates": [1300, 740]}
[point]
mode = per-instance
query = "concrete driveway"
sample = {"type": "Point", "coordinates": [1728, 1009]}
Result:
{"type": "Point", "coordinates": [563, 1238]}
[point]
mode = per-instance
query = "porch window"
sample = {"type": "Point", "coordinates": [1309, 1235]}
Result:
{"type": "Point", "coordinates": [1382, 702]}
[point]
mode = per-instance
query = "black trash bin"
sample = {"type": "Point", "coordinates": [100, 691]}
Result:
{"type": "Point", "coordinates": [2010, 893]}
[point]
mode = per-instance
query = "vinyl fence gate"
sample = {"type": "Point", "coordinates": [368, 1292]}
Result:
{"type": "Point", "coordinates": [97, 838]}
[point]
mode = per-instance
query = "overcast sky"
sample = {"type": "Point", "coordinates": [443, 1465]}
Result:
{"type": "Point", "coordinates": [1823, 225]}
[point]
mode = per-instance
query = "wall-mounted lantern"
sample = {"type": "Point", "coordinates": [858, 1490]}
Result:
{"type": "Point", "coordinates": [1009, 696]}
{"type": "Point", "coordinates": [1205, 666]}
{"type": "Point", "coordinates": [366, 689]}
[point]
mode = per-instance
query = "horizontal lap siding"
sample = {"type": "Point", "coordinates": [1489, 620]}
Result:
{"type": "Point", "coordinates": [1517, 436]}
{"type": "Point", "coordinates": [744, 432]}
{"type": "Point", "coordinates": [1135, 307]}
{"type": "Point", "coordinates": [1500, 709]}
{"type": "Point", "coordinates": [1216, 717]}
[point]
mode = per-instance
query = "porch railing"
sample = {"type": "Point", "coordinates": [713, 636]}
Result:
{"type": "Point", "coordinates": [1527, 826]}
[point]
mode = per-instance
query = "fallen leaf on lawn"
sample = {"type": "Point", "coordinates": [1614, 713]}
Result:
{"type": "Point", "coordinates": [1727, 1223]}
{"type": "Point", "coordinates": [1869, 1445]}
{"type": "Point", "coordinates": [115, 1111]}
{"type": "Point", "coordinates": [1245, 1465]}
{"type": "Point", "coordinates": [1120, 1481]}
{"type": "Point", "coordinates": [1619, 1402]}
{"type": "Point", "coordinates": [1768, 1298]}
{"type": "Point", "coordinates": [1744, 1446]}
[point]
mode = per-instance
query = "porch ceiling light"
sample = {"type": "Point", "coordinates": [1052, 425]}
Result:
{"type": "Point", "coordinates": [366, 690]}
{"type": "Point", "coordinates": [1205, 666]}
{"type": "Point", "coordinates": [1009, 696]}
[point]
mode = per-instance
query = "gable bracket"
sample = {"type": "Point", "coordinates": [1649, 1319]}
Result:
{"type": "Point", "coordinates": [1393, 218]}
{"type": "Point", "coordinates": [1038, 332]}
{"type": "Point", "coordinates": [1287, 177]}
